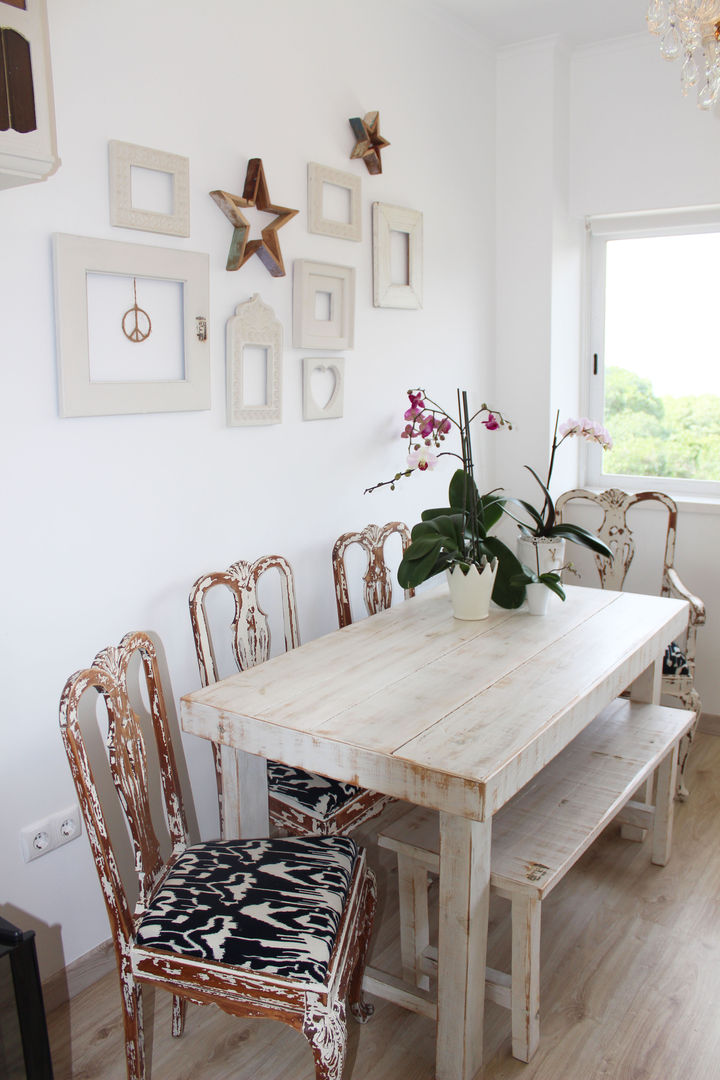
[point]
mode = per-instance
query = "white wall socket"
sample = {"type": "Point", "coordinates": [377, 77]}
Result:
{"type": "Point", "coordinates": [51, 833]}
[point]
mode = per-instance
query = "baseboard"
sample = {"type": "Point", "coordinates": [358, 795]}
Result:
{"type": "Point", "coordinates": [709, 724]}
{"type": "Point", "coordinates": [76, 977]}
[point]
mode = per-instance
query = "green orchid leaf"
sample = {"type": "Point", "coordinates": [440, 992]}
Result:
{"type": "Point", "coordinates": [412, 572]}
{"type": "Point", "coordinates": [419, 548]}
{"type": "Point", "coordinates": [578, 535]}
{"type": "Point", "coordinates": [463, 492]}
{"type": "Point", "coordinates": [505, 594]}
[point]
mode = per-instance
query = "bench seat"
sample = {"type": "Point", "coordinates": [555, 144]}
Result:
{"type": "Point", "coordinates": [537, 837]}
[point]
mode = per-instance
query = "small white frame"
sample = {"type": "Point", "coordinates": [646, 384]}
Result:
{"type": "Point", "coordinates": [386, 293]}
{"type": "Point", "coordinates": [123, 157]}
{"type": "Point", "coordinates": [254, 324]}
{"type": "Point", "coordinates": [77, 256]}
{"type": "Point", "coordinates": [310, 281]}
{"type": "Point", "coordinates": [318, 176]}
{"type": "Point", "coordinates": [333, 409]}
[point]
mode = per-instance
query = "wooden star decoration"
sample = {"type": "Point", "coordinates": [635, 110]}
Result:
{"type": "Point", "coordinates": [369, 141]}
{"type": "Point", "coordinates": [255, 193]}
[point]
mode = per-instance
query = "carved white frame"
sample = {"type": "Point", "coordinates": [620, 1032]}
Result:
{"type": "Point", "coordinates": [386, 220]}
{"type": "Point", "coordinates": [122, 157]}
{"type": "Point", "coordinates": [318, 176]}
{"type": "Point", "coordinates": [254, 323]}
{"type": "Point", "coordinates": [334, 407]}
{"type": "Point", "coordinates": [77, 256]}
{"type": "Point", "coordinates": [309, 279]}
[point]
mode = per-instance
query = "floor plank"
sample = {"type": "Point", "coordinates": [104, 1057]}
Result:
{"type": "Point", "coordinates": [630, 983]}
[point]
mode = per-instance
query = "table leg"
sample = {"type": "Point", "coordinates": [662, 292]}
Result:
{"type": "Point", "coordinates": [245, 794]}
{"type": "Point", "coordinates": [462, 945]}
{"type": "Point", "coordinates": [647, 688]}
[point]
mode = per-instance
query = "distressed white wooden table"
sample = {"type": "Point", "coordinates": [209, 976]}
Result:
{"type": "Point", "coordinates": [456, 716]}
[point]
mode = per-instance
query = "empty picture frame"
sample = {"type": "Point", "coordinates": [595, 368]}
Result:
{"type": "Point", "coordinates": [323, 305]}
{"type": "Point", "coordinates": [397, 257]}
{"type": "Point", "coordinates": [173, 220]}
{"type": "Point", "coordinates": [254, 334]}
{"type": "Point", "coordinates": [93, 379]}
{"type": "Point", "coordinates": [344, 220]}
{"type": "Point", "coordinates": [332, 372]}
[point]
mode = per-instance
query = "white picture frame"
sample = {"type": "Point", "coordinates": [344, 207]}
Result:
{"type": "Point", "coordinates": [318, 222]}
{"type": "Point", "coordinates": [75, 258]}
{"type": "Point", "coordinates": [254, 325]}
{"type": "Point", "coordinates": [387, 291]}
{"type": "Point", "coordinates": [333, 408]}
{"type": "Point", "coordinates": [122, 158]}
{"type": "Point", "coordinates": [323, 305]}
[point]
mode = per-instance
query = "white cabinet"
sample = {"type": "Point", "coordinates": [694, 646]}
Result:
{"type": "Point", "coordinates": [28, 150]}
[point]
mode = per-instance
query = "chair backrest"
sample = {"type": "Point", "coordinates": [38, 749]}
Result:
{"type": "Point", "coordinates": [616, 532]}
{"type": "Point", "coordinates": [377, 579]}
{"type": "Point", "coordinates": [250, 629]}
{"type": "Point", "coordinates": [127, 758]}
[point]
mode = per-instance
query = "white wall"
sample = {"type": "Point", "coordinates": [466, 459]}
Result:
{"type": "Point", "coordinates": [108, 520]}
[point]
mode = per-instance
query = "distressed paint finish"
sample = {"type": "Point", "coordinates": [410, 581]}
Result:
{"type": "Point", "coordinates": [318, 1009]}
{"type": "Point", "coordinates": [618, 535]}
{"type": "Point", "coordinates": [377, 579]}
{"type": "Point", "coordinates": [554, 819]}
{"type": "Point", "coordinates": [250, 638]}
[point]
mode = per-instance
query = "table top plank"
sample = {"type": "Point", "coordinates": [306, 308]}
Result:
{"type": "Point", "coordinates": [416, 704]}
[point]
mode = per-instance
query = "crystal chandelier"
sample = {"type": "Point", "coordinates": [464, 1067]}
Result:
{"type": "Point", "coordinates": [690, 29]}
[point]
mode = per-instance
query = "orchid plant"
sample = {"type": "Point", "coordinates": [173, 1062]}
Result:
{"type": "Point", "coordinates": [543, 523]}
{"type": "Point", "coordinates": [458, 534]}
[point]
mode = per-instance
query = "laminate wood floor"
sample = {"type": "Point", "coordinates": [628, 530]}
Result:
{"type": "Point", "coordinates": [630, 984]}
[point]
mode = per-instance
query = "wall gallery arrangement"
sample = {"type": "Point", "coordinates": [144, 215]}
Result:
{"type": "Point", "coordinates": [132, 319]}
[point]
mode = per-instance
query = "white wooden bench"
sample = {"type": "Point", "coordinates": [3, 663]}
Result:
{"type": "Point", "coordinates": [537, 837]}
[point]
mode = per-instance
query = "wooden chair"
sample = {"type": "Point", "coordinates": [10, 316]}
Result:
{"type": "Point", "coordinates": [678, 680]}
{"type": "Point", "coordinates": [377, 580]}
{"type": "Point", "coordinates": [276, 928]}
{"type": "Point", "coordinates": [300, 802]}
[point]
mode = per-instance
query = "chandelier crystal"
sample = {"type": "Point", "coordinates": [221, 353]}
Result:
{"type": "Point", "coordinates": [690, 29]}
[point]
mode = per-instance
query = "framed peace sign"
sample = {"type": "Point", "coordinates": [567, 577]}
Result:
{"type": "Point", "coordinates": [131, 327]}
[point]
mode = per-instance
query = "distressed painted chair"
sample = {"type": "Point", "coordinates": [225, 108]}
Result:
{"type": "Point", "coordinates": [300, 802]}
{"type": "Point", "coordinates": [377, 579]}
{"type": "Point", "coordinates": [262, 928]}
{"type": "Point", "coordinates": [678, 679]}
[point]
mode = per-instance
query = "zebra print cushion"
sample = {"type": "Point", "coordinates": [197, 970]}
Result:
{"type": "Point", "coordinates": [312, 793]}
{"type": "Point", "coordinates": [674, 662]}
{"type": "Point", "coordinates": [272, 906]}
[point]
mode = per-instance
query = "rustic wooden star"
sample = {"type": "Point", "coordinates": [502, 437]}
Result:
{"type": "Point", "coordinates": [369, 141]}
{"type": "Point", "coordinates": [255, 193]}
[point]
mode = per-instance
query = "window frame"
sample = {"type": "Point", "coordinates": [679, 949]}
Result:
{"type": "Point", "coordinates": [601, 229]}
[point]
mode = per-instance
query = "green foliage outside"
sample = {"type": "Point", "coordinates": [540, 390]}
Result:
{"type": "Point", "coordinates": [660, 436]}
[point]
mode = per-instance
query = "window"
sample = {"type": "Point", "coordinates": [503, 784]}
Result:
{"type": "Point", "coordinates": [655, 350]}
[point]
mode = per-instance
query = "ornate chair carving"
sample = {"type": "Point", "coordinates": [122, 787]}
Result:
{"type": "Point", "coordinates": [377, 581]}
{"type": "Point", "coordinates": [276, 928]}
{"type": "Point", "coordinates": [678, 679]}
{"type": "Point", "coordinates": [300, 802]}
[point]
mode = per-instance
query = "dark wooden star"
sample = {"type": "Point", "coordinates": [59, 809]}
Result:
{"type": "Point", "coordinates": [369, 141]}
{"type": "Point", "coordinates": [255, 193]}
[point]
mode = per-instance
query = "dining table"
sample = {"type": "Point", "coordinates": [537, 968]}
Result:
{"type": "Point", "coordinates": [457, 716]}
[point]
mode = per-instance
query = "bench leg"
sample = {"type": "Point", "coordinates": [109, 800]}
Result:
{"type": "Point", "coordinates": [413, 881]}
{"type": "Point", "coordinates": [664, 807]}
{"type": "Point", "coordinates": [525, 975]}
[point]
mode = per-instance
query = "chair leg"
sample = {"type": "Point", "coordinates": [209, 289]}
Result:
{"type": "Point", "coordinates": [664, 808]}
{"type": "Point", "coordinates": [179, 1008]}
{"type": "Point", "coordinates": [325, 1028]}
{"type": "Point", "coordinates": [131, 994]}
{"type": "Point", "coordinates": [525, 975]}
{"type": "Point", "coordinates": [361, 1009]}
{"type": "Point", "coordinates": [688, 701]}
{"type": "Point", "coordinates": [413, 880]}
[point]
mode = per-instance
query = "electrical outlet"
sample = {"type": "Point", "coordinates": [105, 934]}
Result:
{"type": "Point", "coordinates": [53, 832]}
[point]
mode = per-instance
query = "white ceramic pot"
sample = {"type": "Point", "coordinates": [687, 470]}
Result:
{"type": "Point", "coordinates": [541, 554]}
{"type": "Point", "coordinates": [470, 593]}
